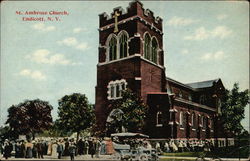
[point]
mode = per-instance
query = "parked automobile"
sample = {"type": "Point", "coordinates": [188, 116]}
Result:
{"type": "Point", "coordinates": [126, 152]}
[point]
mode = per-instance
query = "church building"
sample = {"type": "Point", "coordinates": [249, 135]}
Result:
{"type": "Point", "coordinates": [131, 56]}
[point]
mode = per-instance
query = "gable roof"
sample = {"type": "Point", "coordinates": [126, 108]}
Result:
{"type": "Point", "coordinates": [203, 84]}
{"type": "Point", "coordinates": [179, 83]}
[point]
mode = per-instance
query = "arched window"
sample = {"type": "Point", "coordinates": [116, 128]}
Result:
{"type": "Point", "coordinates": [123, 42]}
{"type": "Point", "coordinates": [181, 118]}
{"type": "Point", "coordinates": [201, 121]}
{"type": "Point", "coordinates": [180, 94]}
{"type": "Point", "coordinates": [219, 106]}
{"type": "Point", "coordinates": [211, 123]}
{"type": "Point", "coordinates": [193, 119]}
{"type": "Point", "coordinates": [112, 48]}
{"type": "Point", "coordinates": [205, 121]}
{"type": "Point", "coordinates": [147, 46]}
{"type": "Point", "coordinates": [189, 97]}
{"type": "Point", "coordinates": [154, 50]}
{"type": "Point", "coordinates": [159, 118]}
{"type": "Point", "coordinates": [203, 99]}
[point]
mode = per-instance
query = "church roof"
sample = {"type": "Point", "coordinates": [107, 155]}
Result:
{"type": "Point", "coordinates": [203, 84]}
{"type": "Point", "coordinates": [179, 83]}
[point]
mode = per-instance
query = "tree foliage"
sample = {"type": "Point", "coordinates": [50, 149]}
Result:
{"type": "Point", "coordinates": [75, 113]}
{"type": "Point", "coordinates": [55, 131]}
{"type": "Point", "coordinates": [134, 111]}
{"type": "Point", "coordinates": [31, 116]}
{"type": "Point", "coordinates": [233, 108]}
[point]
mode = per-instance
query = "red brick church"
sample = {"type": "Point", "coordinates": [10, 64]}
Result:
{"type": "Point", "coordinates": [131, 56]}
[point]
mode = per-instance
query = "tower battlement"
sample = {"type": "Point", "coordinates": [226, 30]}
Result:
{"type": "Point", "coordinates": [134, 11]}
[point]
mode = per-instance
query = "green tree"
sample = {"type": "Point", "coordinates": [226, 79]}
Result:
{"type": "Point", "coordinates": [30, 117]}
{"type": "Point", "coordinates": [233, 108]}
{"type": "Point", "coordinates": [75, 113]}
{"type": "Point", "coordinates": [55, 131]}
{"type": "Point", "coordinates": [134, 111]}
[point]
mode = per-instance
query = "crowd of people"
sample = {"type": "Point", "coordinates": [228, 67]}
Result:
{"type": "Point", "coordinates": [63, 147]}
{"type": "Point", "coordinates": [56, 148]}
{"type": "Point", "coordinates": [184, 146]}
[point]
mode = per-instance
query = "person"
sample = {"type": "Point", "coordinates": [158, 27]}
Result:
{"type": "Point", "coordinates": [86, 147]}
{"type": "Point", "coordinates": [207, 146]}
{"type": "Point", "coordinates": [29, 147]}
{"type": "Point", "coordinates": [158, 147]}
{"type": "Point", "coordinates": [103, 147]}
{"type": "Point", "coordinates": [80, 146]}
{"type": "Point", "coordinates": [66, 148]}
{"type": "Point", "coordinates": [59, 149]}
{"type": "Point", "coordinates": [44, 147]}
{"type": "Point", "coordinates": [201, 145]}
{"type": "Point", "coordinates": [148, 145]}
{"type": "Point", "coordinates": [97, 148]}
{"type": "Point", "coordinates": [22, 150]}
{"type": "Point", "coordinates": [91, 148]}
{"type": "Point", "coordinates": [166, 147]}
{"type": "Point", "coordinates": [49, 149]}
{"type": "Point", "coordinates": [7, 149]}
{"type": "Point", "coordinates": [39, 147]}
{"type": "Point", "coordinates": [54, 149]}
{"type": "Point", "coordinates": [18, 149]}
{"type": "Point", "coordinates": [72, 150]}
{"type": "Point", "coordinates": [180, 146]}
{"type": "Point", "coordinates": [109, 147]}
{"type": "Point", "coordinates": [173, 146]}
{"type": "Point", "coordinates": [34, 150]}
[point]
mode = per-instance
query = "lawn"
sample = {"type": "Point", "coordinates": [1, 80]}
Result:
{"type": "Point", "coordinates": [174, 159]}
{"type": "Point", "coordinates": [184, 154]}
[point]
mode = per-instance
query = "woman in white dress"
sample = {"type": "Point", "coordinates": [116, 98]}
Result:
{"type": "Point", "coordinates": [54, 150]}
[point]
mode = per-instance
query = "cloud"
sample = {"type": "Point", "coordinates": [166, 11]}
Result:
{"type": "Point", "coordinates": [221, 32]}
{"type": "Point", "coordinates": [202, 34]}
{"type": "Point", "coordinates": [184, 51]}
{"type": "Point", "coordinates": [44, 56]}
{"type": "Point", "coordinates": [82, 46]}
{"type": "Point", "coordinates": [37, 75]}
{"type": "Point", "coordinates": [78, 30]}
{"type": "Point", "coordinates": [179, 21]}
{"type": "Point", "coordinates": [73, 42]}
{"type": "Point", "coordinates": [42, 27]}
{"type": "Point", "coordinates": [221, 16]}
{"type": "Point", "coordinates": [70, 41]}
{"type": "Point", "coordinates": [213, 56]}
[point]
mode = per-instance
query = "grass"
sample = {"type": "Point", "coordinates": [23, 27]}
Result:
{"type": "Point", "coordinates": [183, 154]}
{"type": "Point", "coordinates": [168, 159]}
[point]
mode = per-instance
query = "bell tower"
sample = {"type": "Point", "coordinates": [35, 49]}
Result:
{"type": "Point", "coordinates": [130, 56]}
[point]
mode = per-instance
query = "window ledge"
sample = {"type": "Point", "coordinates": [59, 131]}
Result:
{"type": "Point", "coordinates": [193, 129]}
{"type": "Point", "coordinates": [114, 98]}
{"type": "Point", "coordinates": [159, 125]}
{"type": "Point", "coordinates": [181, 128]}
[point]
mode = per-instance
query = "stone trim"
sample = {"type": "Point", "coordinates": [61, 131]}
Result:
{"type": "Point", "coordinates": [129, 57]}
{"type": "Point", "coordinates": [195, 104]}
{"type": "Point", "coordinates": [131, 19]}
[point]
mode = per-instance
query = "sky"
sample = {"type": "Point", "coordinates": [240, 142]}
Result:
{"type": "Point", "coordinates": [203, 40]}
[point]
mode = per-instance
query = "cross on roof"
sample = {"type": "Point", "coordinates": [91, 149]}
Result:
{"type": "Point", "coordinates": [116, 21]}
